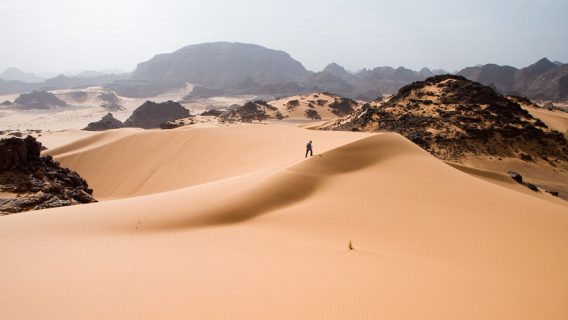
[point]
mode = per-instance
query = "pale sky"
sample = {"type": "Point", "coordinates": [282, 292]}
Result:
{"type": "Point", "coordinates": [64, 35]}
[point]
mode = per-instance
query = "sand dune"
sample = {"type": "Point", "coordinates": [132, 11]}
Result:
{"type": "Point", "coordinates": [251, 230]}
{"type": "Point", "coordinates": [128, 162]}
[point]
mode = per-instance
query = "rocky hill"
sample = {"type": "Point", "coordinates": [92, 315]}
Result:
{"type": "Point", "coordinates": [543, 80]}
{"type": "Point", "coordinates": [15, 74]}
{"type": "Point", "coordinates": [454, 118]}
{"type": "Point", "coordinates": [106, 123]}
{"type": "Point", "coordinates": [30, 182]}
{"type": "Point", "coordinates": [38, 100]}
{"type": "Point", "coordinates": [151, 115]}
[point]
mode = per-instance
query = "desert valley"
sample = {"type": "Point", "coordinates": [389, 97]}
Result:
{"type": "Point", "coordinates": [183, 190]}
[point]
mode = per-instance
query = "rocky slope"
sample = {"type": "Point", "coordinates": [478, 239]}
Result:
{"type": "Point", "coordinates": [151, 115]}
{"type": "Point", "coordinates": [30, 182]}
{"type": "Point", "coordinates": [455, 118]}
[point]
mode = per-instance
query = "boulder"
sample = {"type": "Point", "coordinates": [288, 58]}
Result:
{"type": "Point", "coordinates": [515, 176]}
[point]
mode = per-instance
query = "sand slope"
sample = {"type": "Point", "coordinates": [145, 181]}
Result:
{"type": "Point", "coordinates": [431, 242]}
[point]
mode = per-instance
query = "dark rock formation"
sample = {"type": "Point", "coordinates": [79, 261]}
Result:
{"type": "Point", "coordinates": [39, 100]}
{"type": "Point", "coordinates": [106, 123]}
{"type": "Point", "coordinates": [515, 176]}
{"type": "Point", "coordinates": [151, 115]}
{"type": "Point", "coordinates": [38, 182]}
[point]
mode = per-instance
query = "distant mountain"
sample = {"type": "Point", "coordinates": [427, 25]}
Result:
{"type": "Point", "coordinates": [222, 64]}
{"type": "Point", "coordinates": [13, 86]}
{"type": "Point", "coordinates": [502, 77]}
{"type": "Point", "coordinates": [65, 82]}
{"type": "Point", "coordinates": [15, 74]}
{"type": "Point", "coordinates": [544, 80]}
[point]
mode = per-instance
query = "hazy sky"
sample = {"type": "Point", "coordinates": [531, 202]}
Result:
{"type": "Point", "coordinates": [63, 35]}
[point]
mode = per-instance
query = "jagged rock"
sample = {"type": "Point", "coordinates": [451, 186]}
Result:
{"type": "Point", "coordinates": [151, 115]}
{"type": "Point", "coordinates": [39, 182]}
{"type": "Point", "coordinates": [106, 123]}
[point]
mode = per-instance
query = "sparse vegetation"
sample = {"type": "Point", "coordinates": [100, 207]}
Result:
{"type": "Point", "coordinates": [292, 104]}
{"type": "Point", "coordinates": [312, 114]}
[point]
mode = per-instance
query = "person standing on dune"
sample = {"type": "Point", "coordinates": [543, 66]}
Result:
{"type": "Point", "coordinates": [309, 149]}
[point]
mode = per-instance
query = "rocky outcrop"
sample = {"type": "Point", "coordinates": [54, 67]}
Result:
{"type": "Point", "coordinates": [38, 100]}
{"type": "Point", "coordinates": [106, 123]}
{"type": "Point", "coordinates": [151, 115]}
{"type": "Point", "coordinates": [455, 118]}
{"type": "Point", "coordinates": [252, 111]}
{"type": "Point", "coordinates": [36, 182]}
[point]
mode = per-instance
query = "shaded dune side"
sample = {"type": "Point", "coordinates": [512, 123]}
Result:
{"type": "Point", "coordinates": [125, 163]}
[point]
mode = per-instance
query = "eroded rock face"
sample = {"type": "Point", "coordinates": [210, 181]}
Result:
{"type": "Point", "coordinates": [151, 115]}
{"type": "Point", "coordinates": [106, 123]}
{"type": "Point", "coordinates": [34, 182]}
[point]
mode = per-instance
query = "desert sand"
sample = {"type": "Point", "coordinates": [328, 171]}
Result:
{"type": "Point", "coordinates": [234, 223]}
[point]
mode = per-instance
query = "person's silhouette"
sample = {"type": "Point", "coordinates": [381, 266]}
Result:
{"type": "Point", "coordinates": [309, 149]}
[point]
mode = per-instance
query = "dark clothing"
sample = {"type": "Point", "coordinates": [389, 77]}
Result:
{"type": "Point", "coordinates": [309, 149]}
